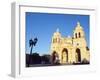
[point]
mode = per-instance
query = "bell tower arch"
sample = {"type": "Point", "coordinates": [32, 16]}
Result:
{"type": "Point", "coordinates": [79, 36]}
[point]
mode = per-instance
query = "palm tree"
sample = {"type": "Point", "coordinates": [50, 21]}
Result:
{"type": "Point", "coordinates": [31, 44]}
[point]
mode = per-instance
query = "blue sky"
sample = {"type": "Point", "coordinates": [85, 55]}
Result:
{"type": "Point", "coordinates": [43, 25]}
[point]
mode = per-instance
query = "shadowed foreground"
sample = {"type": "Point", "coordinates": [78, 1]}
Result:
{"type": "Point", "coordinates": [45, 60]}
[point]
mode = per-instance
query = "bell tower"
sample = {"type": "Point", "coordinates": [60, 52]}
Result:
{"type": "Point", "coordinates": [79, 36]}
{"type": "Point", "coordinates": [56, 43]}
{"type": "Point", "coordinates": [79, 44]}
{"type": "Point", "coordinates": [56, 37]}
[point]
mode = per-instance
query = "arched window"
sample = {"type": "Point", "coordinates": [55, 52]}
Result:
{"type": "Point", "coordinates": [79, 34]}
{"type": "Point", "coordinates": [75, 35]}
{"type": "Point", "coordinates": [54, 40]}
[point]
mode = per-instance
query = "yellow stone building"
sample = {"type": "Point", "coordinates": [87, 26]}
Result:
{"type": "Point", "coordinates": [70, 49]}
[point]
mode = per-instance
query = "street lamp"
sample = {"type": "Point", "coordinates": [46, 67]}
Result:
{"type": "Point", "coordinates": [31, 44]}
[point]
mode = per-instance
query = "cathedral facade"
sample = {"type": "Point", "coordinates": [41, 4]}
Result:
{"type": "Point", "coordinates": [69, 50]}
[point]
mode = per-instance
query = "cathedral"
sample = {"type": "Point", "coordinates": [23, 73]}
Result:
{"type": "Point", "coordinates": [69, 50]}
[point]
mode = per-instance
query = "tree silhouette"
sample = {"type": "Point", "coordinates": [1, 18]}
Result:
{"type": "Point", "coordinates": [31, 44]}
{"type": "Point", "coordinates": [45, 59]}
{"type": "Point", "coordinates": [36, 58]}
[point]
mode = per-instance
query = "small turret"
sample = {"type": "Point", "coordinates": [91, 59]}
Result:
{"type": "Point", "coordinates": [78, 32]}
{"type": "Point", "coordinates": [79, 36]}
{"type": "Point", "coordinates": [56, 36]}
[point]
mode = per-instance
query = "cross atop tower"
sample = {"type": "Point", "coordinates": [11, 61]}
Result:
{"type": "Point", "coordinates": [78, 23]}
{"type": "Point", "coordinates": [57, 30]}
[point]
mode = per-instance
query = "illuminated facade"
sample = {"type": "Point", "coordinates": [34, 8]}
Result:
{"type": "Point", "coordinates": [70, 49]}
